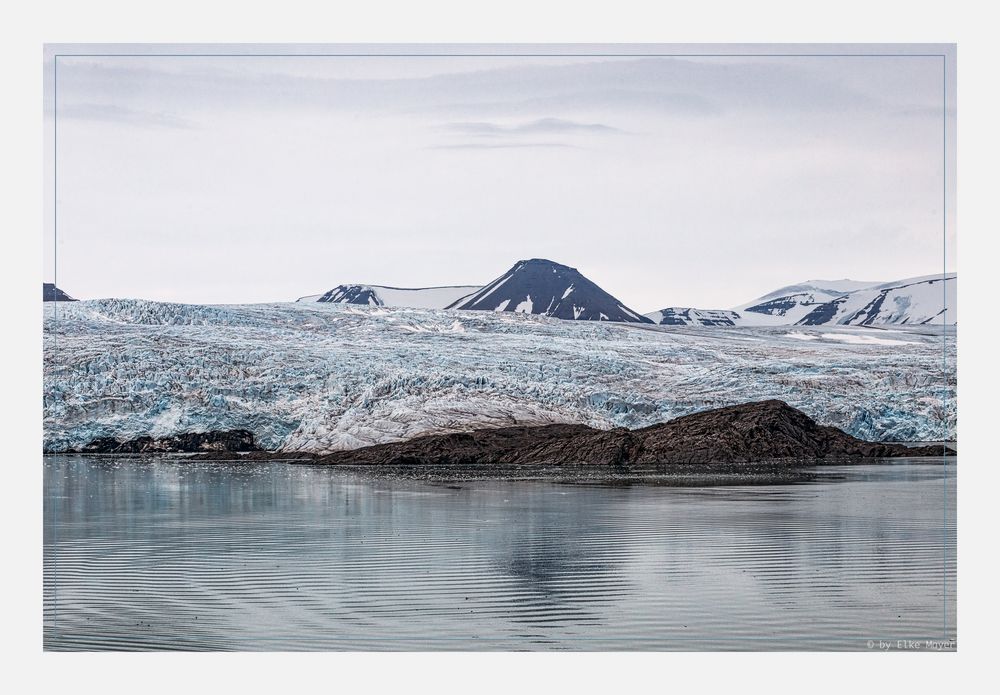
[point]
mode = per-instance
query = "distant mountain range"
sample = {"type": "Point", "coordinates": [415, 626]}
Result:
{"type": "Point", "coordinates": [927, 300]}
{"type": "Point", "coordinates": [540, 286]}
{"type": "Point", "coordinates": [790, 304]}
{"type": "Point", "coordinates": [535, 286]}
{"type": "Point", "coordinates": [379, 295]}
{"type": "Point", "coordinates": [931, 299]}
{"type": "Point", "coordinates": [543, 287]}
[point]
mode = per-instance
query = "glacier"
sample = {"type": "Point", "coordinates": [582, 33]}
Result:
{"type": "Point", "coordinates": [323, 377]}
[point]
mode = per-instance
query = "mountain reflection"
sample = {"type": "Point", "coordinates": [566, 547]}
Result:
{"type": "Point", "coordinates": [161, 554]}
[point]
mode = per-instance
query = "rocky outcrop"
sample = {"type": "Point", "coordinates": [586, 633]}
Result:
{"type": "Point", "coordinates": [51, 293]}
{"type": "Point", "coordinates": [735, 437]}
{"type": "Point", "coordinates": [749, 433]}
{"type": "Point", "coordinates": [754, 431]}
{"type": "Point", "coordinates": [225, 441]}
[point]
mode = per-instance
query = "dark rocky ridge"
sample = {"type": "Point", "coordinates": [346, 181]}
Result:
{"type": "Point", "coordinates": [225, 441]}
{"type": "Point", "coordinates": [352, 294]}
{"type": "Point", "coordinates": [51, 293]}
{"type": "Point", "coordinates": [781, 305]}
{"type": "Point", "coordinates": [687, 316]}
{"type": "Point", "coordinates": [740, 438]}
{"type": "Point", "coordinates": [742, 434]}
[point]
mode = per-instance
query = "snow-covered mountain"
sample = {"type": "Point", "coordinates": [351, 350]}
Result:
{"type": "Point", "coordinates": [832, 288]}
{"type": "Point", "coordinates": [911, 301]}
{"type": "Point", "coordinates": [540, 286]}
{"type": "Point", "coordinates": [787, 305]}
{"type": "Point", "coordinates": [931, 299]}
{"type": "Point", "coordinates": [400, 297]}
{"type": "Point", "coordinates": [51, 293]}
{"type": "Point", "coordinates": [782, 307]}
{"type": "Point", "coordinates": [682, 316]}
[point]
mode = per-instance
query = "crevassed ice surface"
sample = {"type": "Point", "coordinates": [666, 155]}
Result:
{"type": "Point", "coordinates": [321, 377]}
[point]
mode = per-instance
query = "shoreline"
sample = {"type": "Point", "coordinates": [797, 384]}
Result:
{"type": "Point", "coordinates": [774, 472]}
{"type": "Point", "coordinates": [761, 442]}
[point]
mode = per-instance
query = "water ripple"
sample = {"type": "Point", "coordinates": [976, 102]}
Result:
{"type": "Point", "coordinates": [144, 555]}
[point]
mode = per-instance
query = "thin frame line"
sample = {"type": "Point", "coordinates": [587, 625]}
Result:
{"type": "Point", "coordinates": [500, 55]}
{"type": "Point", "coordinates": [55, 315]}
{"type": "Point", "coordinates": [944, 333]}
{"type": "Point", "coordinates": [943, 56]}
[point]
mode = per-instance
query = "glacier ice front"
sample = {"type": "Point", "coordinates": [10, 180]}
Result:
{"type": "Point", "coordinates": [321, 377]}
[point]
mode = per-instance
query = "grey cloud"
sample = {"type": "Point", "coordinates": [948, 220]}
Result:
{"type": "Point", "coordinates": [503, 146]}
{"type": "Point", "coordinates": [926, 112]}
{"type": "Point", "coordinates": [633, 100]}
{"type": "Point", "coordinates": [740, 156]}
{"type": "Point", "coordinates": [540, 126]}
{"type": "Point", "coordinates": [122, 115]}
{"type": "Point", "coordinates": [683, 87]}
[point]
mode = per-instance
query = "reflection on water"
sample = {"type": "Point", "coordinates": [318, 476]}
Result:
{"type": "Point", "coordinates": [144, 554]}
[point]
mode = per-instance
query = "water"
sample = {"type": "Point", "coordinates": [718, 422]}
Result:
{"type": "Point", "coordinates": [147, 554]}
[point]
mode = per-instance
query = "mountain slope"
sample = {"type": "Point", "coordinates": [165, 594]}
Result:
{"type": "Point", "coordinates": [930, 299]}
{"type": "Point", "coordinates": [51, 293]}
{"type": "Point", "coordinates": [540, 286]}
{"type": "Point", "coordinates": [399, 297]}
{"type": "Point", "coordinates": [788, 305]}
{"type": "Point", "coordinates": [683, 316]}
{"type": "Point", "coordinates": [830, 288]}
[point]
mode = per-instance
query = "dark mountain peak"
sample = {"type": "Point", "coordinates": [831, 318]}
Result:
{"type": "Point", "coordinates": [51, 293]}
{"type": "Point", "coordinates": [544, 262]}
{"type": "Point", "coordinates": [352, 294]}
{"type": "Point", "coordinates": [541, 286]}
{"type": "Point", "coordinates": [767, 413]}
{"type": "Point", "coordinates": [544, 267]}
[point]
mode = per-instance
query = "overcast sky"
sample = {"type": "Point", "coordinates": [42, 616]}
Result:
{"type": "Point", "coordinates": [669, 181]}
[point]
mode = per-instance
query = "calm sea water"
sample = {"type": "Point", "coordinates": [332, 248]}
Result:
{"type": "Point", "coordinates": [146, 554]}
